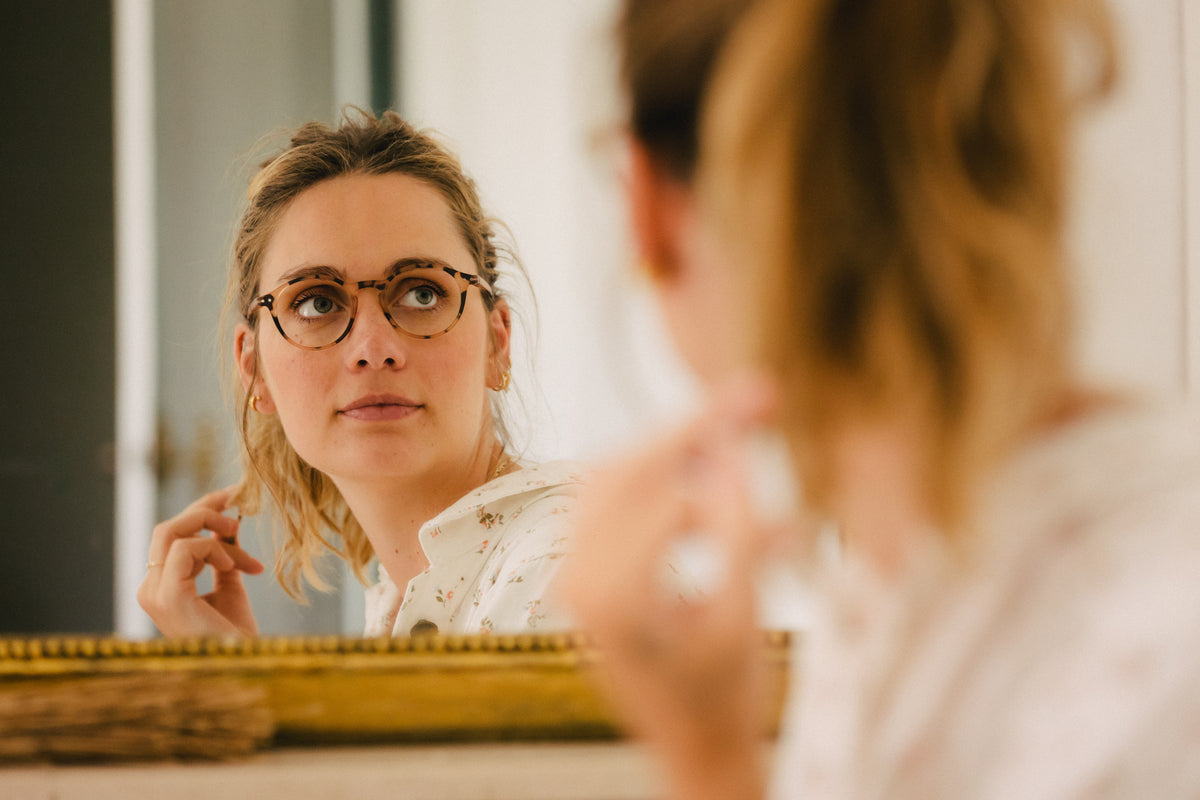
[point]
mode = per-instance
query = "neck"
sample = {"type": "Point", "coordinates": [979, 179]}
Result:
{"type": "Point", "coordinates": [880, 503]}
{"type": "Point", "coordinates": [392, 510]}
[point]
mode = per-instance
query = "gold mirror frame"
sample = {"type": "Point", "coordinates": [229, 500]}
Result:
{"type": "Point", "coordinates": [330, 690]}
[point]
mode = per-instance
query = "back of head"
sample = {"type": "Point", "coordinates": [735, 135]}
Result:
{"type": "Point", "coordinates": [668, 51]}
{"type": "Point", "coordinates": [896, 172]}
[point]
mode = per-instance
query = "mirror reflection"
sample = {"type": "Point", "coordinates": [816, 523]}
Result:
{"type": "Point", "coordinates": [219, 91]}
{"type": "Point", "coordinates": [209, 82]}
{"type": "Point", "coordinates": [375, 425]}
{"type": "Point", "coordinates": [522, 94]}
{"type": "Point", "coordinates": [456, 70]}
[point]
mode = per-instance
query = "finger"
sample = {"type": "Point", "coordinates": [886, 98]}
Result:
{"type": "Point", "coordinates": [617, 515]}
{"type": "Point", "coordinates": [678, 461]}
{"type": "Point", "coordinates": [613, 576]}
{"type": "Point", "coordinates": [188, 557]}
{"type": "Point", "coordinates": [217, 500]}
{"type": "Point", "coordinates": [188, 525]}
{"type": "Point", "coordinates": [727, 540]}
{"type": "Point", "coordinates": [724, 496]}
{"type": "Point", "coordinates": [634, 511]}
{"type": "Point", "coordinates": [631, 516]}
{"type": "Point", "coordinates": [204, 513]}
{"type": "Point", "coordinates": [242, 560]}
{"type": "Point", "coordinates": [168, 588]}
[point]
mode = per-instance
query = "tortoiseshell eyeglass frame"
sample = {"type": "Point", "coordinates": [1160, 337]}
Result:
{"type": "Point", "coordinates": [465, 281]}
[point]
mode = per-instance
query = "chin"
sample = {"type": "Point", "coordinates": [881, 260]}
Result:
{"type": "Point", "coordinates": [371, 466]}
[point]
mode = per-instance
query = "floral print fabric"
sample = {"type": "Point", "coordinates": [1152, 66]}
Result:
{"type": "Point", "coordinates": [1059, 659]}
{"type": "Point", "coordinates": [492, 557]}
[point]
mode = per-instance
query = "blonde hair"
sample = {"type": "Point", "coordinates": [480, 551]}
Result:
{"type": "Point", "coordinates": [668, 49]}
{"type": "Point", "coordinates": [895, 175]}
{"type": "Point", "coordinates": [307, 502]}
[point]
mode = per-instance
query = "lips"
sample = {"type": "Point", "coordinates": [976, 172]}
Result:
{"type": "Point", "coordinates": [374, 407]}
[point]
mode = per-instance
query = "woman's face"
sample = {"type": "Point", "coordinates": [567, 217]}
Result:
{"type": "Point", "coordinates": [378, 404]}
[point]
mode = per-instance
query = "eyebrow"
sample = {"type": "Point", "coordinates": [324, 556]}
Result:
{"type": "Point", "coordinates": [415, 261]}
{"type": "Point", "coordinates": [300, 273]}
{"type": "Point", "coordinates": [332, 273]}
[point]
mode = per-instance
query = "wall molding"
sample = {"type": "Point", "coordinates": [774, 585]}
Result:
{"type": "Point", "coordinates": [1189, 32]}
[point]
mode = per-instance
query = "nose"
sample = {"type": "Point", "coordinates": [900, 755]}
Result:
{"type": "Point", "coordinates": [373, 343]}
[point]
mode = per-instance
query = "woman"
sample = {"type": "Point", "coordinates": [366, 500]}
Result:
{"type": "Point", "coordinates": [371, 350]}
{"type": "Point", "coordinates": [882, 195]}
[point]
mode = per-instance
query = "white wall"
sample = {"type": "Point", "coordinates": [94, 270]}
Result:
{"type": "Point", "coordinates": [523, 88]}
{"type": "Point", "coordinates": [525, 92]}
{"type": "Point", "coordinates": [1190, 36]}
{"type": "Point", "coordinates": [1129, 233]}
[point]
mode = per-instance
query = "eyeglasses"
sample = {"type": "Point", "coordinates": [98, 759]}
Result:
{"type": "Point", "coordinates": [422, 301]}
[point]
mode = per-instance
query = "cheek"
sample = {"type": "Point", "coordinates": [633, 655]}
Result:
{"type": "Point", "coordinates": [464, 369]}
{"type": "Point", "coordinates": [709, 316]}
{"type": "Point", "coordinates": [703, 328]}
{"type": "Point", "coordinates": [295, 384]}
{"type": "Point", "coordinates": [458, 367]}
{"type": "Point", "coordinates": [708, 308]}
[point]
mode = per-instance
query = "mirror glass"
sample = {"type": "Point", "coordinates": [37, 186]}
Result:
{"type": "Point", "coordinates": [522, 93]}
{"type": "Point", "coordinates": [525, 93]}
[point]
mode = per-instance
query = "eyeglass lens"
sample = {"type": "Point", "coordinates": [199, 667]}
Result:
{"type": "Point", "coordinates": [421, 302]}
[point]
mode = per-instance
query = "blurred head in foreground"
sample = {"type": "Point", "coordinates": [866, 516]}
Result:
{"type": "Point", "coordinates": [881, 196]}
{"type": "Point", "coordinates": [668, 53]}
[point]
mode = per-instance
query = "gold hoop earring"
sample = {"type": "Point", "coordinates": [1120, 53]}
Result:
{"type": "Point", "coordinates": [504, 381]}
{"type": "Point", "coordinates": [652, 270]}
{"type": "Point", "coordinates": [254, 403]}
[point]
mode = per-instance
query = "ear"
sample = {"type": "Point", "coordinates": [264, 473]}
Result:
{"type": "Point", "coordinates": [500, 334]}
{"type": "Point", "coordinates": [658, 203]}
{"type": "Point", "coordinates": [245, 355]}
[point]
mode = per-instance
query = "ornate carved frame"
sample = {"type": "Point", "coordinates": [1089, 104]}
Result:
{"type": "Point", "coordinates": [340, 690]}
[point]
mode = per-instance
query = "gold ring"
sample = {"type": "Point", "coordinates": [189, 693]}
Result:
{"type": "Point", "coordinates": [153, 564]}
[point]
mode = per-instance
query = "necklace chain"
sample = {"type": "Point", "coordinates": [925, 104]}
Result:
{"type": "Point", "coordinates": [500, 465]}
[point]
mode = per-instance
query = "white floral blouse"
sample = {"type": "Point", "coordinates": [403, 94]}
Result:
{"type": "Point", "coordinates": [492, 556]}
{"type": "Point", "coordinates": [1063, 661]}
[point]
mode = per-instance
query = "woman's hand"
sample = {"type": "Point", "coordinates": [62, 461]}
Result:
{"type": "Point", "coordinates": [178, 554]}
{"type": "Point", "coordinates": [686, 676]}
